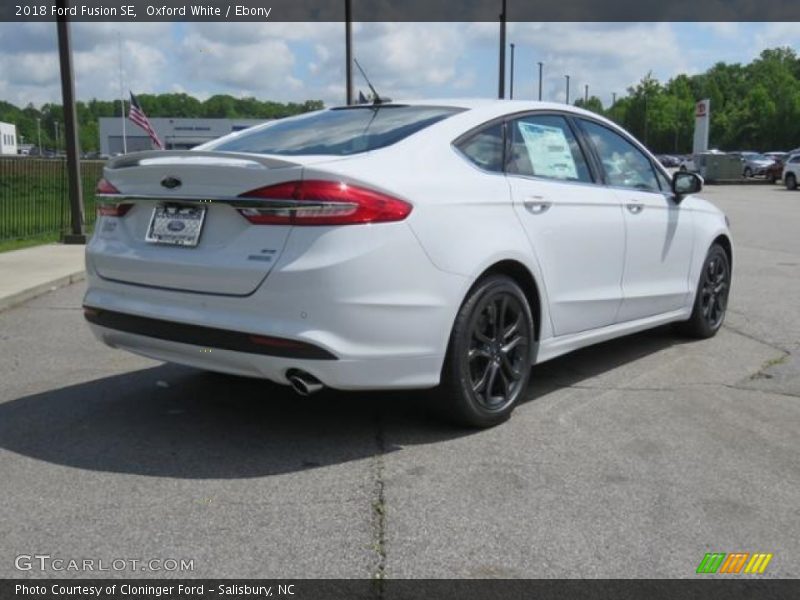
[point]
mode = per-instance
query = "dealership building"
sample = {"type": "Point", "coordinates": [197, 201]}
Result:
{"type": "Point", "coordinates": [8, 138]}
{"type": "Point", "coordinates": [176, 134]}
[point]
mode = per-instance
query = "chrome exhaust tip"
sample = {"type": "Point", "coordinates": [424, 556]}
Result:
{"type": "Point", "coordinates": [303, 383]}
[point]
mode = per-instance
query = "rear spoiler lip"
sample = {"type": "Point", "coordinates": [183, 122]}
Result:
{"type": "Point", "coordinates": [135, 159]}
{"type": "Point", "coordinates": [234, 201]}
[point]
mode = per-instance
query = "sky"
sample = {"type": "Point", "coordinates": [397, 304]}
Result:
{"type": "Point", "coordinates": [305, 61]}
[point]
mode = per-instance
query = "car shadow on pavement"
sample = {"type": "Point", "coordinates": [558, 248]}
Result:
{"type": "Point", "coordinates": [171, 421]}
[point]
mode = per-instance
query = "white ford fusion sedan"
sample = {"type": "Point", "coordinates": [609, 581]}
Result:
{"type": "Point", "coordinates": [403, 245]}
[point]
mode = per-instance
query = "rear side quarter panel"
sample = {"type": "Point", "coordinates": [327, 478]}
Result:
{"type": "Point", "coordinates": [462, 216]}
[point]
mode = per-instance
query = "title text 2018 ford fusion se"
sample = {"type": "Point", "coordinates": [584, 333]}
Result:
{"type": "Point", "coordinates": [402, 246]}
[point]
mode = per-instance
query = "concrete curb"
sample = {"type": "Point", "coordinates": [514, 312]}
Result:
{"type": "Point", "coordinates": [41, 289]}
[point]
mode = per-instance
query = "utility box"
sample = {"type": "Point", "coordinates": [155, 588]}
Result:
{"type": "Point", "coordinates": [718, 167]}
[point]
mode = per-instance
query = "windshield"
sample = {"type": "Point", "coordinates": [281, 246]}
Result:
{"type": "Point", "coordinates": [339, 131]}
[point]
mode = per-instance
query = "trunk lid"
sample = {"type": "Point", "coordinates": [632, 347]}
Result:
{"type": "Point", "coordinates": [231, 256]}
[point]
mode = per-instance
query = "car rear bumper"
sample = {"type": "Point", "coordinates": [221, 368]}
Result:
{"type": "Point", "coordinates": [205, 337]}
{"type": "Point", "coordinates": [416, 372]}
{"type": "Point", "coordinates": [358, 308]}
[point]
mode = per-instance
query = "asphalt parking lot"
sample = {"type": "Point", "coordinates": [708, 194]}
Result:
{"type": "Point", "coordinates": [629, 459]}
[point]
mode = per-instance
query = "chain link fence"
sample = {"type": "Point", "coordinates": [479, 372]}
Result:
{"type": "Point", "coordinates": [34, 199]}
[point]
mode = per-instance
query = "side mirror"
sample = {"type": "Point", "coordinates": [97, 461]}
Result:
{"type": "Point", "coordinates": [685, 184]}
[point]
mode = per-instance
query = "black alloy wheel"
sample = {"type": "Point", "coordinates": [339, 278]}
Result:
{"type": "Point", "coordinates": [713, 290]}
{"type": "Point", "coordinates": [498, 350]}
{"type": "Point", "coordinates": [489, 358]}
{"type": "Point", "coordinates": [714, 294]}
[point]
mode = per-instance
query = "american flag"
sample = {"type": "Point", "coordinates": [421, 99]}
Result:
{"type": "Point", "coordinates": [136, 114]}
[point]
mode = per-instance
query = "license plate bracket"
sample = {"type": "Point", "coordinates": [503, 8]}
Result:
{"type": "Point", "coordinates": [176, 225]}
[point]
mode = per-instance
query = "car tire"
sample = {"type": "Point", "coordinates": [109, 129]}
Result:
{"type": "Point", "coordinates": [711, 298]}
{"type": "Point", "coordinates": [748, 173]}
{"type": "Point", "coordinates": [488, 362]}
{"type": "Point", "coordinates": [791, 181]}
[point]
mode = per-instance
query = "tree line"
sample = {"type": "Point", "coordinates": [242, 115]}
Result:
{"type": "Point", "coordinates": [753, 107]}
{"type": "Point", "coordinates": [50, 117]}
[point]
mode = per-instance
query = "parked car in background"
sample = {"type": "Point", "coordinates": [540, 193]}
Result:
{"type": "Point", "coordinates": [753, 163]}
{"type": "Point", "coordinates": [694, 163]}
{"type": "Point", "coordinates": [669, 161]}
{"type": "Point", "coordinates": [442, 243]}
{"type": "Point", "coordinates": [774, 172]}
{"type": "Point", "coordinates": [791, 171]}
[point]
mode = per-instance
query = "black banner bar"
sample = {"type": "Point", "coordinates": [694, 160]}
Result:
{"type": "Point", "coordinates": [406, 10]}
{"type": "Point", "coordinates": [735, 588]}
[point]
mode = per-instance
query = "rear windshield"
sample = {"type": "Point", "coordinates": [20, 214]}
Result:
{"type": "Point", "coordinates": [340, 131]}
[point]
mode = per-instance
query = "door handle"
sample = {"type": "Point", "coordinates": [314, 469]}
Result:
{"type": "Point", "coordinates": [536, 205]}
{"type": "Point", "coordinates": [635, 207]}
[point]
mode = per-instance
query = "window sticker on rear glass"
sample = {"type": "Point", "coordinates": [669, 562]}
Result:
{"type": "Point", "coordinates": [548, 150]}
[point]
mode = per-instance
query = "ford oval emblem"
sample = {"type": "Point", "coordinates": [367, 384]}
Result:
{"type": "Point", "coordinates": [171, 182]}
{"type": "Point", "coordinates": [176, 226]}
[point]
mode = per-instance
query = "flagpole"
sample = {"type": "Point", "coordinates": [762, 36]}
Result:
{"type": "Point", "coordinates": [122, 97]}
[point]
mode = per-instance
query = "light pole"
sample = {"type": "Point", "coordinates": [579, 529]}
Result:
{"type": "Point", "coordinates": [39, 131]}
{"type": "Point", "coordinates": [613, 98]}
{"type": "Point", "coordinates": [511, 86]}
{"type": "Point", "coordinates": [567, 77]}
{"type": "Point", "coordinates": [586, 95]}
{"type": "Point", "coordinates": [501, 79]}
{"type": "Point", "coordinates": [77, 233]}
{"type": "Point", "coordinates": [677, 118]}
{"type": "Point", "coordinates": [122, 98]}
{"type": "Point", "coordinates": [55, 131]}
{"type": "Point", "coordinates": [348, 50]}
{"type": "Point", "coordinates": [541, 65]}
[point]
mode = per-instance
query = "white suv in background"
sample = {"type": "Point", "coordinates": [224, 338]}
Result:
{"type": "Point", "coordinates": [791, 171]}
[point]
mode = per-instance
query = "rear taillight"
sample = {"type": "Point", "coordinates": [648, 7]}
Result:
{"type": "Point", "coordinates": [323, 203]}
{"type": "Point", "coordinates": [105, 188]}
{"type": "Point", "coordinates": [114, 210]}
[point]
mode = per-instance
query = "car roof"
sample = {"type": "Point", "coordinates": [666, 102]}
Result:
{"type": "Point", "coordinates": [500, 107]}
{"type": "Point", "coordinates": [476, 112]}
{"type": "Point", "coordinates": [481, 110]}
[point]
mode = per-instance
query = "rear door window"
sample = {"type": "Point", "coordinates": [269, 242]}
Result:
{"type": "Point", "coordinates": [339, 131]}
{"type": "Point", "coordinates": [544, 146]}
